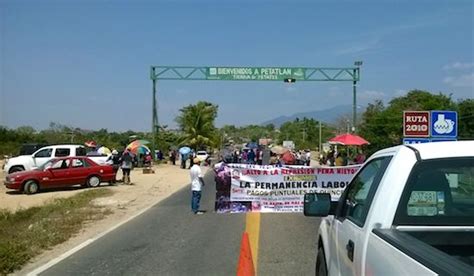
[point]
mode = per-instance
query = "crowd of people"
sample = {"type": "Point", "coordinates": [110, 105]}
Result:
{"type": "Point", "coordinates": [247, 156]}
{"type": "Point", "coordinates": [342, 158]}
{"type": "Point", "coordinates": [185, 159]}
{"type": "Point", "coordinates": [126, 161]}
{"type": "Point", "coordinates": [262, 155]}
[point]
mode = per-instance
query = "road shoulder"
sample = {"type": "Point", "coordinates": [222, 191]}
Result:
{"type": "Point", "coordinates": [127, 202]}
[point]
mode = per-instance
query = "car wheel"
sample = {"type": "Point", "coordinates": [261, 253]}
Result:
{"type": "Point", "coordinates": [16, 169]}
{"type": "Point", "coordinates": [93, 181]}
{"type": "Point", "coordinates": [321, 269]}
{"type": "Point", "coordinates": [31, 187]}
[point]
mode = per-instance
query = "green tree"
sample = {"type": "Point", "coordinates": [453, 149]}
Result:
{"type": "Point", "coordinates": [166, 139]}
{"type": "Point", "coordinates": [383, 126]}
{"type": "Point", "coordinates": [304, 133]}
{"type": "Point", "coordinates": [197, 124]}
{"type": "Point", "coordinates": [466, 119]}
{"type": "Point", "coordinates": [240, 135]}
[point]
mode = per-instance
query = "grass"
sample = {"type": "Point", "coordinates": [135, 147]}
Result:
{"type": "Point", "coordinates": [27, 232]}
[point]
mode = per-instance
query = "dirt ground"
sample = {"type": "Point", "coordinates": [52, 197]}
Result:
{"type": "Point", "coordinates": [127, 200]}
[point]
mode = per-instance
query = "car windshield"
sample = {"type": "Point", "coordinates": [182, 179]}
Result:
{"type": "Point", "coordinates": [439, 192]}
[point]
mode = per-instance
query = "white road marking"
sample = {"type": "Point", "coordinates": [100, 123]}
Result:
{"type": "Point", "coordinates": [82, 245]}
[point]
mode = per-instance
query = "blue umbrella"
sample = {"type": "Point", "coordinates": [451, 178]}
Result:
{"type": "Point", "coordinates": [184, 150]}
{"type": "Point", "coordinates": [252, 145]}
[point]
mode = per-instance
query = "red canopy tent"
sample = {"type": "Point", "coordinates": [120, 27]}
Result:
{"type": "Point", "coordinates": [348, 140]}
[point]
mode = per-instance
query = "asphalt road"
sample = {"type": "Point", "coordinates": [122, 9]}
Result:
{"type": "Point", "coordinates": [170, 239]}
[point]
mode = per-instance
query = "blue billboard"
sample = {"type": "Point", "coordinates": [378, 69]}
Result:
{"type": "Point", "coordinates": [444, 123]}
{"type": "Point", "coordinates": [443, 139]}
{"type": "Point", "coordinates": [408, 141]}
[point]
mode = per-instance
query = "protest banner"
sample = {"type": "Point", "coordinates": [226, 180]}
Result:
{"type": "Point", "coordinates": [254, 188]}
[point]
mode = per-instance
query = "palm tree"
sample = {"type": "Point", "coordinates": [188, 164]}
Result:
{"type": "Point", "coordinates": [197, 123]}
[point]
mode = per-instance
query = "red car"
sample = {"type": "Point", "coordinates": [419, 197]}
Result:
{"type": "Point", "coordinates": [61, 172]}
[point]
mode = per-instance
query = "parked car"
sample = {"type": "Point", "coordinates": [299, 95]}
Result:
{"type": "Point", "coordinates": [41, 156]}
{"type": "Point", "coordinates": [61, 172]}
{"type": "Point", "coordinates": [408, 211]}
{"type": "Point", "coordinates": [26, 149]}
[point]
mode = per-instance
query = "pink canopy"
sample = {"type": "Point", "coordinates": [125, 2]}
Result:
{"type": "Point", "coordinates": [348, 140]}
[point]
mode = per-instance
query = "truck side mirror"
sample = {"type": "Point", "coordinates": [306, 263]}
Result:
{"type": "Point", "coordinates": [317, 204]}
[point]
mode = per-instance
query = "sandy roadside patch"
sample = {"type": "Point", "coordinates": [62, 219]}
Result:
{"type": "Point", "coordinates": [127, 200]}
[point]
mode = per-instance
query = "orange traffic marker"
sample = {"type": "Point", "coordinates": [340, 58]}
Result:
{"type": "Point", "coordinates": [245, 266]}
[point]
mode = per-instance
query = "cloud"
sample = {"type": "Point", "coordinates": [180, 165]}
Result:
{"type": "Point", "coordinates": [459, 65]}
{"type": "Point", "coordinates": [400, 92]}
{"type": "Point", "coordinates": [460, 81]}
{"type": "Point", "coordinates": [371, 95]}
{"type": "Point", "coordinates": [373, 40]}
{"type": "Point", "coordinates": [336, 93]}
{"type": "Point", "coordinates": [359, 47]}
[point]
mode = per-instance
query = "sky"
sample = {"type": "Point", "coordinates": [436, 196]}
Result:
{"type": "Point", "coordinates": [86, 63]}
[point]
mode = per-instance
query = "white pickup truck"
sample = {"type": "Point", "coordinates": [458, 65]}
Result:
{"type": "Point", "coordinates": [41, 156]}
{"type": "Point", "coordinates": [408, 211]}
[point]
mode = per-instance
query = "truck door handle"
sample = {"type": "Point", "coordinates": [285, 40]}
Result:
{"type": "Point", "coordinates": [350, 250]}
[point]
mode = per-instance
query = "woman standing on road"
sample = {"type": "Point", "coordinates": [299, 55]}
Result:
{"type": "Point", "coordinates": [126, 166]}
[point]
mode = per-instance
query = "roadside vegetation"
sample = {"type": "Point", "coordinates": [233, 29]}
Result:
{"type": "Point", "coordinates": [196, 123]}
{"type": "Point", "coordinates": [26, 233]}
{"type": "Point", "coordinates": [381, 124]}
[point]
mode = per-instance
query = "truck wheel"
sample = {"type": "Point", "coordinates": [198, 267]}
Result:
{"type": "Point", "coordinates": [31, 187]}
{"type": "Point", "coordinates": [321, 269]}
{"type": "Point", "coordinates": [93, 181]}
{"type": "Point", "coordinates": [16, 169]}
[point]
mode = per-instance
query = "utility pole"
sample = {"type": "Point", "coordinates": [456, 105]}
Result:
{"type": "Point", "coordinates": [354, 92]}
{"type": "Point", "coordinates": [320, 150]}
{"type": "Point", "coordinates": [354, 85]}
{"type": "Point", "coordinates": [154, 119]}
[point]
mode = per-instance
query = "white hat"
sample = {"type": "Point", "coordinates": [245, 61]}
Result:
{"type": "Point", "coordinates": [114, 152]}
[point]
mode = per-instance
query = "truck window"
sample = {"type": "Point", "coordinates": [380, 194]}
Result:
{"type": "Point", "coordinates": [439, 192]}
{"type": "Point", "coordinates": [62, 152]}
{"type": "Point", "coordinates": [29, 149]}
{"type": "Point", "coordinates": [355, 203]}
{"type": "Point", "coordinates": [81, 151]}
{"type": "Point", "coordinates": [44, 153]}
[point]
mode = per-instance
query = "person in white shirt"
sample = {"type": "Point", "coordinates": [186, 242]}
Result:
{"type": "Point", "coordinates": [308, 157]}
{"type": "Point", "coordinates": [196, 186]}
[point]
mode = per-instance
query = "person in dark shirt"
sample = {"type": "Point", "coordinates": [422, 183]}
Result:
{"type": "Point", "coordinates": [251, 157]}
{"type": "Point", "coordinates": [126, 165]}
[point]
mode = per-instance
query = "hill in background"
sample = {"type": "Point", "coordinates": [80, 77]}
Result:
{"type": "Point", "coordinates": [328, 116]}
